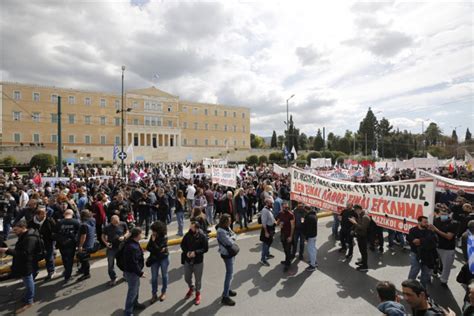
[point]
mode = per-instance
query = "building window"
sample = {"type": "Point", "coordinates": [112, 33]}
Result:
{"type": "Point", "coordinates": [206, 142]}
{"type": "Point", "coordinates": [235, 114]}
{"type": "Point", "coordinates": [17, 116]}
{"type": "Point", "coordinates": [71, 139]}
{"type": "Point", "coordinates": [225, 113]}
{"type": "Point", "coordinates": [216, 142]}
{"type": "Point", "coordinates": [152, 106]}
{"type": "Point", "coordinates": [17, 137]}
{"type": "Point", "coordinates": [135, 140]}
{"type": "Point", "coordinates": [243, 128]}
{"type": "Point", "coordinates": [103, 120]}
{"type": "Point", "coordinates": [87, 139]}
{"type": "Point", "coordinates": [117, 104]}
{"type": "Point", "coordinates": [215, 113]}
{"type": "Point", "coordinates": [117, 121]}
{"type": "Point", "coordinates": [243, 115]}
{"type": "Point", "coordinates": [185, 109]}
{"type": "Point", "coordinates": [195, 142]}
{"type": "Point", "coordinates": [72, 99]}
{"type": "Point", "coordinates": [195, 111]}
{"type": "Point", "coordinates": [87, 101]}
{"type": "Point", "coordinates": [54, 138]}
{"type": "Point", "coordinates": [195, 125]}
{"type": "Point", "coordinates": [103, 103]}
{"type": "Point", "coordinates": [206, 127]}
{"type": "Point", "coordinates": [71, 118]}
{"type": "Point", "coordinates": [102, 140]}
{"type": "Point", "coordinates": [54, 118]}
{"type": "Point", "coordinates": [170, 108]}
{"type": "Point", "coordinates": [117, 140]}
{"type": "Point", "coordinates": [235, 143]}
{"type": "Point", "coordinates": [36, 138]}
{"type": "Point", "coordinates": [17, 95]}
{"type": "Point", "coordinates": [243, 142]}
{"type": "Point", "coordinates": [185, 124]}
{"type": "Point", "coordinates": [170, 123]}
{"type": "Point", "coordinates": [135, 121]}
{"type": "Point", "coordinates": [36, 96]}
{"type": "Point", "coordinates": [185, 141]}
{"type": "Point", "coordinates": [206, 112]}
{"type": "Point", "coordinates": [135, 104]}
{"type": "Point", "coordinates": [235, 128]}
{"type": "Point", "coordinates": [36, 117]}
{"type": "Point", "coordinates": [87, 120]}
{"type": "Point", "coordinates": [225, 128]}
{"type": "Point", "coordinates": [54, 98]}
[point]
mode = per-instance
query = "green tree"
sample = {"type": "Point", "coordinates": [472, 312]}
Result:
{"type": "Point", "coordinates": [454, 136]}
{"type": "Point", "coordinates": [42, 161]}
{"type": "Point", "coordinates": [313, 155]}
{"type": "Point", "coordinates": [276, 156]}
{"type": "Point", "coordinates": [280, 141]}
{"type": "Point", "coordinates": [468, 136]}
{"type": "Point", "coordinates": [368, 131]}
{"type": "Point", "coordinates": [273, 143]}
{"type": "Point", "coordinates": [262, 159]}
{"type": "Point", "coordinates": [9, 161]}
{"type": "Point", "coordinates": [303, 142]}
{"type": "Point", "coordinates": [318, 143]}
{"type": "Point", "coordinates": [256, 141]}
{"type": "Point", "coordinates": [292, 135]}
{"type": "Point", "coordinates": [252, 160]}
{"type": "Point", "coordinates": [433, 134]}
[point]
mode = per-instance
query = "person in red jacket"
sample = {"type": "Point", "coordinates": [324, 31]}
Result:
{"type": "Point", "coordinates": [98, 210]}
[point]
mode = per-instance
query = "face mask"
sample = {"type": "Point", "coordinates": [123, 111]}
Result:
{"type": "Point", "coordinates": [444, 218]}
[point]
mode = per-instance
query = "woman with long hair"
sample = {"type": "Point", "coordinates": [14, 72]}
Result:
{"type": "Point", "coordinates": [226, 239]}
{"type": "Point", "coordinates": [158, 260]}
{"type": "Point", "coordinates": [180, 209]}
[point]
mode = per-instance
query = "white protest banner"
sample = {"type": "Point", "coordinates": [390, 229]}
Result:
{"type": "Point", "coordinates": [426, 163]}
{"type": "Point", "coordinates": [279, 170]}
{"type": "Point", "coordinates": [208, 162]}
{"type": "Point", "coordinates": [54, 180]}
{"type": "Point", "coordinates": [392, 205]}
{"type": "Point", "coordinates": [442, 183]}
{"type": "Point", "coordinates": [224, 176]}
{"type": "Point", "coordinates": [321, 163]}
{"type": "Point", "coordinates": [187, 172]}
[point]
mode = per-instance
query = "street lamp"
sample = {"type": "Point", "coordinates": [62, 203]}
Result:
{"type": "Point", "coordinates": [123, 123]}
{"type": "Point", "coordinates": [287, 125]}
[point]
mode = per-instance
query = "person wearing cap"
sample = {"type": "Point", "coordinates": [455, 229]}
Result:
{"type": "Point", "coordinates": [24, 255]}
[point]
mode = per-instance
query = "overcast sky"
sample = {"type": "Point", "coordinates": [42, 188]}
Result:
{"type": "Point", "coordinates": [410, 61]}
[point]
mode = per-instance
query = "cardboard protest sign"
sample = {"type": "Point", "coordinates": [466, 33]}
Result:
{"type": "Point", "coordinates": [224, 176]}
{"type": "Point", "coordinates": [393, 205]}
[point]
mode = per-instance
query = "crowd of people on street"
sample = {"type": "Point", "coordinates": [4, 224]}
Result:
{"type": "Point", "coordinates": [98, 211]}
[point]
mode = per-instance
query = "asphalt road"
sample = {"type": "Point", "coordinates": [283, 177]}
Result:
{"type": "Point", "coordinates": [336, 288]}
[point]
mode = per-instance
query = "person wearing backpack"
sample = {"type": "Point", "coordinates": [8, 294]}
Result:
{"type": "Point", "coordinates": [46, 227]}
{"type": "Point", "coordinates": [133, 263]}
{"type": "Point", "coordinates": [24, 255]}
{"type": "Point", "coordinates": [228, 250]}
{"type": "Point", "coordinates": [87, 239]}
{"type": "Point", "coordinates": [66, 240]}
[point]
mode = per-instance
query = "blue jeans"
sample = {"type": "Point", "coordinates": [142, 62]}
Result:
{"type": "Point", "coordinates": [265, 251]}
{"type": "Point", "coordinates": [210, 214]}
{"type": "Point", "coordinates": [155, 271]}
{"type": "Point", "coordinates": [229, 271]}
{"type": "Point", "coordinates": [180, 220]}
{"type": "Point", "coordinates": [335, 224]}
{"type": "Point", "coordinates": [49, 258]}
{"type": "Point", "coordinates": [312, 251]}
{"type": "Point", "coordinates": [111, 262]}
{"type": "Point", "coordinates": [392, 235]}
{"type": "Point", "coordinates": [415, 267]}
{"type": "Point", "coordinates": [133, 281]}
{"type": "Point", "coordinates": [6, 228]}
{"type": "Point", "coordinates": [29, 284]}
{"type": "Point", "coordinates": [298, 239]}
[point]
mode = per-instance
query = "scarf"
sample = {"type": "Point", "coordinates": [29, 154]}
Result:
{"type": "Point", "coordinates": [470, 251]}
{"type": "Point", "coordinates": [36, 221]}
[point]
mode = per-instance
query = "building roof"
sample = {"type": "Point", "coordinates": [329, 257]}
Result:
{"type": "Point", "coordinates": [153, 92]}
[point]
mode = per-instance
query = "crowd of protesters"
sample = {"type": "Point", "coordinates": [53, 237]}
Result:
{"type": "Point", "coordinates": [97, 209]}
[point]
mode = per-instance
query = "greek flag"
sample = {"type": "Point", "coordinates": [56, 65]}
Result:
{"type": "Point", "coordinates": [286, 154]}
{"type": "Point", "coordinates": [115, 153]}
{"type": "Point", "coordinates": [470, 251]}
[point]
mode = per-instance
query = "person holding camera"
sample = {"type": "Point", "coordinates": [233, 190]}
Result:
{"type": "Point", "coordinates": [228, 250]}
{"type": "Point", "coordinates": [158, 259]}
{"type": "Point", "coordinates": [194, 245]}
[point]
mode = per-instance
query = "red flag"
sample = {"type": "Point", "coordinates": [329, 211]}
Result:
{"type": "Point", "coordinates": [451, 168]}
{"type": "Point", "coordinates": [37, 179]}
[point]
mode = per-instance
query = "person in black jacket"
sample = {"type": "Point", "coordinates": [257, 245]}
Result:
{"type": "Point", "coordinates": [423, 247]}
{"type": "Point", "coordinates": [310, 231]}
{"type": "Point", "coordinates": [159, 259]}
{"type": "Point", "coordinates": [133, 270]}
{"type": "Point", "coordinates": [66, 240]}
{"type": "Point", "coordinates": [194, 245]}
{"type": "Point", "coordinates": [46, 228]}
{"type": "Point", "coordinates": [346, 234]}
{"type": "Point", "coordinates": [10, 211]}
{"type": "Point", "coordinates": [24, 255]}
